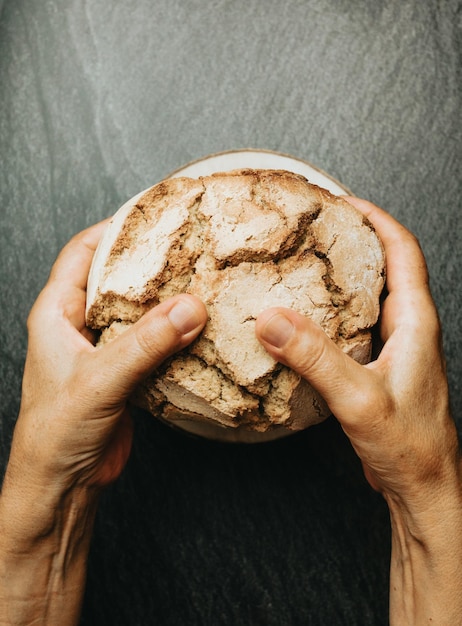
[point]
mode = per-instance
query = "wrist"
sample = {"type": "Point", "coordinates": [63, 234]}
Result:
{"type": "Point", "coordinates": [34, 500]}
{"type": "Point", "coordinates": [425, 574]}
{"type": "Point", "coordinates": [46, 522]}
{"type": "Point", "coordinates": [34, 514]}
{"type": "Point", "coordinates": [426, 507]}
{"type": "Point", "coordinates": [43, 555]}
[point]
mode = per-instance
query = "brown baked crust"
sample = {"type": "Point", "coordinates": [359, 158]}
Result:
{"type": "Point", "coordinates": [242, 241]}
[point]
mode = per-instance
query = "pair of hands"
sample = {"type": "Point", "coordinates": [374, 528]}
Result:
{"type": "Point", "coordinates": [74, 432]}
{"type": "Point", "coordinates": [74, 421]}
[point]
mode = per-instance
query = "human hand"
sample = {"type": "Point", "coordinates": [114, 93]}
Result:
{"type": "Point", "coordinates": [73, 435]}
{"type": "Point", "coordinates": [74, 422]}
{"type": "Point", "coordinates": [395, 411]}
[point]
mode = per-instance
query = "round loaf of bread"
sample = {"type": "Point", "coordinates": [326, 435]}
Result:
{"type": "Point", "coordinates": [242, 241]}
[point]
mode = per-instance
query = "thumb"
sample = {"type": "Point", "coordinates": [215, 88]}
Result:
{"type": "Point", "coordinates": [302, 345]}
{"type": "Point", "coordinates": [165, 329]}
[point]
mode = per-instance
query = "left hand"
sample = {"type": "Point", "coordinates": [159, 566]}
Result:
{"type": "Point", "coordinates": [74, 426]}
{"type": "Point", "coordinates": [73, 435]}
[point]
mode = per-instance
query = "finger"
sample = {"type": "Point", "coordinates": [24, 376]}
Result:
{"type": "Point", "coordinates": [165, 329]}
{"type": "Point", "coordinates": [409, 302]}
{"type": "Point", "coordinates": [73, 263]}
{"type": "Point", "coordinates": [303, 346]}
{"type": "Point", "coordinates": [63, 298]}
{"type": "Point", "coordinates": [406, 267]}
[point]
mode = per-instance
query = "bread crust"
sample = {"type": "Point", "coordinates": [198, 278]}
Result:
{"type": "Point", "coordinates": [242, 241]}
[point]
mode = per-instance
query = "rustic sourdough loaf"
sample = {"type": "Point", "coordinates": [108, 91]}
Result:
{"type": "Point", "coordinates": [242, 241]}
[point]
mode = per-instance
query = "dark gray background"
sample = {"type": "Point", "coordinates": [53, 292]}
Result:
{"type": "Point", "coordinates": [99, 100]}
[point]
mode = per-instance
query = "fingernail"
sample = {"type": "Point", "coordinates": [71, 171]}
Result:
{"type": "Point", "coordinates": [183, 316]}
{"type": "Point", "coordinates": [277, 330]}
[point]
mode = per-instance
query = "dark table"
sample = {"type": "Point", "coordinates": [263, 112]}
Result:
{"type": "Point", "coordinates": [99, 100]}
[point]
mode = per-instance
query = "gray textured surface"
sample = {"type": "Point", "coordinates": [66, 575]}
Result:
{"type": "Point", "coordinates": [100, 100]}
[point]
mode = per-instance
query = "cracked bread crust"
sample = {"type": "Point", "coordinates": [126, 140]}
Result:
{"type": "Point", "coordinates": [242, 241]}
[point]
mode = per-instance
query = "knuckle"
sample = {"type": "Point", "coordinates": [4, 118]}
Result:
{"type": "Point", "coordinates": [41, 311]}
{"type": "Point", "coordinates": [313, 357]}
{"type": "Point", "coordinates": [312, 352]}
{"type": "Point", "coordinates": [376, 404]}
{"type": "Point", "coordinates": [155, 341]}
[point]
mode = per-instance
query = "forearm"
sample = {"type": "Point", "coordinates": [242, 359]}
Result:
{"type": "Point", "coordinates": [44, 543]}
{"type": "Point", "coordinates": [426, 562]}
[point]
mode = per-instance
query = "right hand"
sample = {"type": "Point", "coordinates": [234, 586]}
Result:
{"type": "Point", "coordinates": [394, 410]}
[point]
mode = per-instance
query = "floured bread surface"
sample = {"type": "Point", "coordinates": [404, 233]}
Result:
{"type": "Point", "coordinates": [242, 241]}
